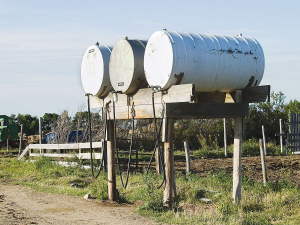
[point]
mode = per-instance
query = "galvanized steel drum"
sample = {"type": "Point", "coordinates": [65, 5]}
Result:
{"type": "Point", "coordinates": [94, 70]}
{"type": "Point", "coordinates": [126, 67]}
{"type": "Point", "coordinates": [211, 62]}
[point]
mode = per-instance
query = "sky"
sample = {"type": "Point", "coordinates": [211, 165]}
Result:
{"type": "Point", "coordinates": [42, 42]}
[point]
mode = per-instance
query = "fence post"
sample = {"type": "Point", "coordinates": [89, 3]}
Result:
{"type": "Point", "coordinates": [237, 162]}
{"type": "Point", "coordinates": [169, 162]}
{"type": "Point", "coordinates": [263, 162]}
{"type": "Point", "coordinates": [157, 164]}
{"type": "Point", "coordinates": [21, 139]}
{"type": "Point", "coordinates": [225, 137]}
{"type": "Point", "coordinates": [111, 170]}
{"type": "Point", "coordinates": [264, 139]}
{"type": "Point", "coordinates": [40, 132]}
{"type": "Point", "coordinates": [187, 156]}
{"type": "Point", "coordinates": [281, 142]}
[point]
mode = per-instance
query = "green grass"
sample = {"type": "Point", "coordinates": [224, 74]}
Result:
{"type": "Point", "coordinates": [275, 203]}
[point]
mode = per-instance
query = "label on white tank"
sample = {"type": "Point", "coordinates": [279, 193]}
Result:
{"type": "Point", "coordinates": [121, 84]}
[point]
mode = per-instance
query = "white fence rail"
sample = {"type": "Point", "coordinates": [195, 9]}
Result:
{"type": "Point", "coordinates": [63, 146]}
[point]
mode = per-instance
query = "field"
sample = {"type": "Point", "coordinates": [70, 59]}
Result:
{"type": "Point", "coordinates": [43, 193]}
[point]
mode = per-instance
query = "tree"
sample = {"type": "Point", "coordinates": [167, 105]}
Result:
{"type": "Point", "coordinates": [267, 114]}
{"type": "Point", "coordinates": [30, 123]}
{"type": "Point", "coordinates": [48, 120]}
{"type": "Point", "coordinates": [293, 107]}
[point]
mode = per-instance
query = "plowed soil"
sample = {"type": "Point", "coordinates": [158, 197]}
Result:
{"type": "Point", "coordinates": [278, 167]}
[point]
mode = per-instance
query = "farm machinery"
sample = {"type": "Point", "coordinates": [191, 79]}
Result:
{"type": "Point", "coordinates": [9, 133]}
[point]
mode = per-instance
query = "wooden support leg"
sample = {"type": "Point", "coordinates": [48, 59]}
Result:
{"type": "Point", "coordinates": [169, 162]}
{"type": "Point", "coordinates": [111, 169]}
{"type": "Point", "coordinates": [237, 154]}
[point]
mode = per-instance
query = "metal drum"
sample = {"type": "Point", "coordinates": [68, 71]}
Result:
{"type": "Point", "coordinates": [211, 62]}
{"type": "Point", "coordinates": [94, 70]}
{"type": "Point", "coordinates": [126, 67]}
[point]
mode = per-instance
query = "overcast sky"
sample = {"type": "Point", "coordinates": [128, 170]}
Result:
{"type": "Point", "coordinates": [42, 42]}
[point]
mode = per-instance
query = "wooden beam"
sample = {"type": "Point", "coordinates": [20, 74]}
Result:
{"type": "Point", "coordinates": [183, 93]}
{"type": "Point", "coordinates": [250, 95]}
{"type": "Point", "coordinates": [210, 97]}
{"type": "Point", "coordinates": [183, 110]}
{"type": "Point", "coordinates": [179, 93]}
{"type": "Point", "coordinates": [140, 111]}
{"type": "Point", "coordinates": [256, 94]}
{"type": "Point", "coordinates": [206, 110]}
{"type": "Point", "coordinates": [144, 96]}
{"type": "Point", "coordinates": [176, 93]}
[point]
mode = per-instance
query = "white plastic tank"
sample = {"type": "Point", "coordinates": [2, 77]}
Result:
{"type": "Point", "coordinates": [126, 67]}
{"type": "Point", "coordinates": [94, 70]}
{"type": "Point", "coordinates": [211, 62]}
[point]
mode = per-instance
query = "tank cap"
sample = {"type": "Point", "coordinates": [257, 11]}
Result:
{"type": "Point", "coordinates": [239, 35]}
{"type": "Point", "coordinates": [164, 29]}
{"type": "Point", "coordinates": [126, 38]}
{"type": "Point", "coordinates": [97, 43]}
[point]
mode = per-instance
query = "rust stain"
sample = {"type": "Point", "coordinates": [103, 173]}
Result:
{"type": "Point", "coordinates": [179, 77]}
{"type": "Point", "coordinates": [251, 80]}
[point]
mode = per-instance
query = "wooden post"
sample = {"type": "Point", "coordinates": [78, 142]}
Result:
{"type": "Point", "coordinates": [21, 139]}
{"type": "Point", "coordinates": [237, 162]}
{"type": "Point", "coordinates": [225, 137]}
{"type": "Point", "coordinates": [111, 170]}
{"type": "Point", "coordinates": [169, 162]}
{"type": "Point", "coordinates": [281, 142]}
{"type": "Point", "coordinates": [263, 162]}
{"type": "Point", "coordinates": [157, 164]}
{"type": "Point", "coordinates": [137, 157]}
{"type": "Point", "coordinates": [40, 132]}
{"type": "Point", "coordinates": [264, 139]}
{"type": "Point", "coordinates": [187, 156]}
{"type": "Point", "coordinates": [297, 119]}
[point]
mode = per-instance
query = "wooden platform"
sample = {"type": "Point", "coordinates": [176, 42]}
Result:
{"type": "Point", "coordinates": [181, 101]}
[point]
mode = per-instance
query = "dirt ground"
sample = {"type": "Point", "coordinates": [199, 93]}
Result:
{"type": "Point", "coordinates": [278, 167]}
{"type": "Point", "coordinates": [20, 205]}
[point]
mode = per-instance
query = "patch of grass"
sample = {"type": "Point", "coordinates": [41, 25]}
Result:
{"type": "Point", "coordinates": [277, 202]}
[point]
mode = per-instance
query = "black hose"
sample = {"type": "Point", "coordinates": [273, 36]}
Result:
{"type": "Point", "coordinates": [90, 134]}
{"type": "Point", "coordinates": [157, 146]}
{"type": "Point", "coordinates": [124, 185]}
